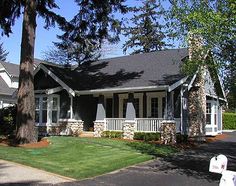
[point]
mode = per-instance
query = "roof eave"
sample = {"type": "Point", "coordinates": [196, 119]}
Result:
{"type": "Point", "coordinates": [122, 90]}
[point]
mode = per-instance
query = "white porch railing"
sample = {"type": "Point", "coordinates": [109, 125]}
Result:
{"type": "Point", "coordinates": [148, 124]}
{"type": "Point", "coordinates": [141, 124]}
{"type": "Point", "coordinates": [114, 123]}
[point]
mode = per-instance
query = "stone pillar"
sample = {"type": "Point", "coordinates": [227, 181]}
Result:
{"type": "Point", "coordinates": [99, 124]}
{"type": "Point", "coordinates": [99, 127]}
{"type": "Point", "coordinates": [128, 130]}
{"type": "Point", "coordinates": [130, 115]}
{"type": "Point", "coordinates": [168, 132]}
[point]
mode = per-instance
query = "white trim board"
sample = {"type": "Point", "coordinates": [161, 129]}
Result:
{"type": "Point", "coordinates": [121, 90]}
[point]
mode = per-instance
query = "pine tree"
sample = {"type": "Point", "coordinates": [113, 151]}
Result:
{"type": "Point", "coordinates": [3, 53]}
{"type": "Point", "coordinates": [146, 33]}
{"type": "Point", "coordinates": [94, 22]}
{"type": "Point", "coordinates": [9, 11]}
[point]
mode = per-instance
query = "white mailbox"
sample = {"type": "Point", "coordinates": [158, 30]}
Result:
{"type": "Point", "coordinates": [218, 164]}
{"type": "Point", "coordinates": [228, 178]}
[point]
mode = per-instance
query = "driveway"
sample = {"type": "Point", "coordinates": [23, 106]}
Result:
{"type": "Point", "coordinates": [185, 168]}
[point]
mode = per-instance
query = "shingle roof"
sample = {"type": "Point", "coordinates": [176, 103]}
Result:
{"type": "Point", "coordinates": [4, 89]}
{"type": "Point", "coordinates": [149, 69]}
{"type": "Point", "coordinates": [11, 68]}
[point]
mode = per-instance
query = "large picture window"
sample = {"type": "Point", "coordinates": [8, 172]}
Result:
{"type": "Point", "coordinates": [46, 109]}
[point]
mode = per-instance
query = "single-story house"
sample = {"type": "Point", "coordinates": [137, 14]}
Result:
{"type": "Point", "coordinates": [145, 89]}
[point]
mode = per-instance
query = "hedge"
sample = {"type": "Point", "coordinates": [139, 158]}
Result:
{"type": "Point", "coordinates": [229, 120]}
{"type": "Point", "coordinates": [147, 136]}
{"type": "Point", "coordinates": [112, 134]}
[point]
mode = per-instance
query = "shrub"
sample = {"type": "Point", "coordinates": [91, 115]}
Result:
{"type": "Point", "coordinates": [181, 138]}
{"type": "Point", "coordinates": [112, 134]}
{"type": "Point", "coordinates": [147, 136]}
{"type": "Point", "coordinates": [8, 120]}
{"type": "Point", "coordinates": [229, 120]}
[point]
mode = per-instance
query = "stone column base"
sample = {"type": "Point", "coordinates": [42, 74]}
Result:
{"type": "Point", "coordinates": [99, 127]}
{"type": "Point", "coordinates": [128, 130]}
{"type": "Point", "coordinates": [168, 132]}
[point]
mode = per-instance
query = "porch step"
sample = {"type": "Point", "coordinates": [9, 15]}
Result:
{"type": "Point", "coordinates": [86, 134]}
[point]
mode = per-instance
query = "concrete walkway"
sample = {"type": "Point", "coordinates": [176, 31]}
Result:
{"type": "Point", "coordinates": [16, 174]}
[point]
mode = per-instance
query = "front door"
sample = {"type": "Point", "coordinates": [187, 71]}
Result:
{"type": "Point", "coordinates": [211, 118]}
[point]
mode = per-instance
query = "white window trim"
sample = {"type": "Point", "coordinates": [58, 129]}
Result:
{"type": "Point", "coordinates": [158, 95]}
{"type": "Point", "coordinates": [125, 96]}
{"type": "Point", "coordinates": [49, 109]}
{"type": "Point", "coordinates": [214, 110]}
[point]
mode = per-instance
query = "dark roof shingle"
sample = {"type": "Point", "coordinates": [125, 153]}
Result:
{"type": "Point", "coordinates": [11, 68]}
{"type": "Point", "coordinates": [140, 70]}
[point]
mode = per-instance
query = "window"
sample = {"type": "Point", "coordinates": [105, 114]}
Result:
{"type": "Point", "coordinates": [43, 114]}
{"type": "Point", "coordinates": [44, 109]}
{"type": "Point", "coordinates": [54, 109]}
{"type": "Point", "coordinates": [37, 110]}
{"type": "Point", "coordinates": [208, 113]}
{"type": "Point", "coordinates": [154, 107]}
{"type": "Point", "coordinates": [163, 106]}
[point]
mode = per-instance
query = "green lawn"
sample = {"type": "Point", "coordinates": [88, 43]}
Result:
{"type": "Point", "coordinates": [78, 157]}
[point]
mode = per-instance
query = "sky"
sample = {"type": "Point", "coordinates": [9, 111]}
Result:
{"type": "Point", "coordinates": [44, 38]}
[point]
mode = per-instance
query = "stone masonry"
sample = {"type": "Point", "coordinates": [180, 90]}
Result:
{"type": "Point", "coordinates": [75, 126]}
{"type": "Point", "coordinates": [128, 130]}
{"type": "Point", "coordinates": [99, 127]}
{"type": "Point", "coordinates": [168, 132]}
{"type": "Point", "coordinates": [197, 108]}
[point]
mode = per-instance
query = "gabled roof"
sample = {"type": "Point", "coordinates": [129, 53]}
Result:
{"type": "Point", "coordinates": [4, 89]}
{"type": "Point", "coordinates": [140, 70]}
{"type": "Point", "coordinates": [11, 68]}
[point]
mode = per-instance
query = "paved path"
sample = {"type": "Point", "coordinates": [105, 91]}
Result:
{"type": "Point", "coordinates": [16, 174]}
{"type": "Point", "coordinates": [188, 168]}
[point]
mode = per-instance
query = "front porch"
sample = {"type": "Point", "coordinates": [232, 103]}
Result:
{"type": "Point", "coordinates": [146, 110]}
{"type": "Point", "coordinates": [140, 124]}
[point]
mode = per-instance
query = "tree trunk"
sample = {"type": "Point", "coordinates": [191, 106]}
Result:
{"type": "Point", "coordinates": [26, 132]}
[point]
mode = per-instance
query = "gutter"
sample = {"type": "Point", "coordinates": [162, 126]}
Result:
{"type": "Point", "coordinates": [120, 90]}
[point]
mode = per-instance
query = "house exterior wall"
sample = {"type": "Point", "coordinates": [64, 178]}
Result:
{"type": "Point", "coordinates": [209, 85]}
{"type": "Point", "coordinates": [43, 81]}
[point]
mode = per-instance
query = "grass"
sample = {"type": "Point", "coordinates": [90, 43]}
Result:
{"type": "Point", "coordinates": [82, 157]}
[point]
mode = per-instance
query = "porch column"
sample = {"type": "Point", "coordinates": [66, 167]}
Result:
{"type": "Point", "coordinates": [99, 124]}
{"type": "Point", "coordinates": [71, 107]}
{"type": "Point", "coordinates": [170, 105]}
{"type": "Point", "coordinates": [130, 115]}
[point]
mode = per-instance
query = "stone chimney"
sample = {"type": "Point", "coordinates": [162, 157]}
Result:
{"type": "Point", "coordinates": [195, 50]}
{"type": "Point", "coordinates": [197, 95]}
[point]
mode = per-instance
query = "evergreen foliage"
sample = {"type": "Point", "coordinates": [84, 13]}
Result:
{"type": "Point", "coordinates": [3, 53]}
{"type": "Point", "coordinates": [94, 22]}
{"type": "Point", "coordinates": [145, 32]}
